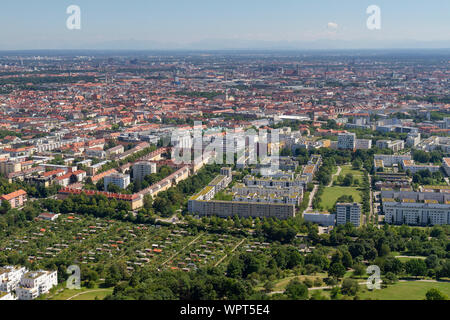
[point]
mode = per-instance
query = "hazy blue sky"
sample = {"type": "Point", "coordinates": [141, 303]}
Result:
{"type": "Point", "coordinates": [27, 24]}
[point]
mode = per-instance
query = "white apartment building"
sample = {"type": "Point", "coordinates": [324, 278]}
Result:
{"type": "Point", "coordinates": [118, 179]}
{"type": "Point", "coordinates": [322, 219]}
{"type": "Point", "coordinates": [268, 181]}
{"type": "Point", "coordinates": [385, 160]}
{"type": "Point", "coordinates": [413, 167]}
{"type": "Point", "coordinates": [268, 199]}
{"type": "Point", "coordinates": [446, 165]}
{"type": "Point", "coordinates": [395, 146]}
{"type": "Point", "coordinates": [413, 139]}
{"type": "Point", "coordinates": [10, 277]}
{"type": "Point", "coordinates": [35, 283]}
{"type": "Point", "coordinates": [346, 141]}
{"type": "Point", "coordinates": [364, 144]}
{"type": "Point", "coordinates": [413, 213]}
{"type": "Point", "coordinates": [142, 169]}
{"type": "Point", "coordinates": [348, 212]}
{"type": "Point", "coordinates": [416, 208]}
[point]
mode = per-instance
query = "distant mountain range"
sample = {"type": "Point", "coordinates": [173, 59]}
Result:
{"type": "Point", "coordinates": [236, 44]}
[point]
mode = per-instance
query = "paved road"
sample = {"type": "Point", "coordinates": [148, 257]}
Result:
{"type": "Point", "coordinates": [311, 198]}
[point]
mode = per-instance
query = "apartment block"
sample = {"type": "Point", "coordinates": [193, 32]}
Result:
{"type": "Point", "coordinates": [416, 208]}
{"type": "Point", "coordinates": [35, 283]}
{"type": "Point", "coordinates": [142, 169]}
{"type": "Point", "coordinates": [242, 209]}
{"type": "Point", "coordinates": [395, 146]}
{"type": "Point", "coordinates": [16, 199]}
{"type": "Point", "coordinates": [348, 212]}
{"type": "Point", "coordinates": [118, 179]}
{"type": "Point", "coordinates": [346, 141]}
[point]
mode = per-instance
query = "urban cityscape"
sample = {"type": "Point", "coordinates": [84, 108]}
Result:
{"type": "Point", "coordinates": [225, 175]}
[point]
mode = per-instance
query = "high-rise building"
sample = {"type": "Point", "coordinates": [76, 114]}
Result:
{"type": "Point", "coordinates": [347, 141]}
{"type": "Point", "coordinates": [348, 212]}
{"type": "Point", "coordinates": [142, 169]}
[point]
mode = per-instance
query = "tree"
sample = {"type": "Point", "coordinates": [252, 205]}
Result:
{"type": "Point", "coordinates": [337, 270]}
{"type": "Point", "coordinates": [235, 268]}
{"type": "Point", "coordinates": [296, 290]}
{"type": "Point", "coordinates": [5, 207]}
{"type": "Point", "coordinates": [435, 294]}
{"type": "Point", "coordinates": [384, 250]}
{"type": "Point", "coordinates": [390, 278]}
{"type": "Point", "coordinates": [359, 270]}
{"type": "Point", "coordinates": [347, 260]}
{"type": "Point", "coordinates": [357, 163]}
{"type": "Point", "coordinates": [416, 267]}
{"type": "Point", "coordinates": [349, 287]}
{"type": "Point", "coordinates": [269, 286]}
{"type": "Point", "coordinates": [348, 180]}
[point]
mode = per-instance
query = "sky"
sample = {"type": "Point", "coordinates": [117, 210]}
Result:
{"type": "Point", "coordinates": [27, 24]}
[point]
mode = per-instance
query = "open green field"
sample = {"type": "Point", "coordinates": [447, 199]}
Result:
{"type": "Point", "coordinates": [357, 174]}
{"type": "Point", "coordinates": [348, 169]}
{"type": "Point", "coordinates": [82, 294]}
{"type": "Point", "coordinates": [91, 295]}
{"type": "Point", "coordinates": [281, 285]}
{"type": "Point", "coordinates": [411, 290]}
{"type": "Point", "coordinates": [331, 194]}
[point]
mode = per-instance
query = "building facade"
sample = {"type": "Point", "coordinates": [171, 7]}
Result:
{"type": "Point", "coordinates": [348, 212]}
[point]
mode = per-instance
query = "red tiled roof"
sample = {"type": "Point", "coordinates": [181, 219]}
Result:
{"type": "Point", "coordinates": [13, 195]}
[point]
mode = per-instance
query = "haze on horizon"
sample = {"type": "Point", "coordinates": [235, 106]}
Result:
{"type": "Point", "coordinates": [231, 24]}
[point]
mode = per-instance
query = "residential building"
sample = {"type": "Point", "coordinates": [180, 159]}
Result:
{"type": "Point", "coordinates": [364, 144]}
{"type": "Point", "coordinates": [35, 283]}
{"type": "Point", "coordinates": [323, 219]}
{"type": "Point", "coordinates": [16, 198]}
{"type": "Point", "coordinates": [348, 212]}
{"type": "Point", "coordinates": [416, 208]}
{"type": "Point", "coordinates": [142, 169]}
{"type": "Point", "coordinates": [413, 167]}
{"type": "Point", "coordinates": [118, 179]}
{"type": "Point", "coordinates": [346, 141]}
{"type": "Point", "coordinates": [446, 165]}
{"type": "Point", "coordinates": [10, 277]}
{"type": "Point", "coordinates": [395, 146]}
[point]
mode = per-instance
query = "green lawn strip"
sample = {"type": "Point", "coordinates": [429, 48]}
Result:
{"type": "Point", "coordinates": [94, 293]}
{"type": "Point", "coordinates": [331, 194]}
{"type": "Point", "coordinates": [411, 290]}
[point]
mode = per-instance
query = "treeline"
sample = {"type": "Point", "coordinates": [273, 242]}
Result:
{"type": "Point", "coordinates": [131, 158]}
{"type": "Point", "coordinates": [44, 80]}
{"type": "Point", "coordinates": [97, 206]}
{"type": "Point", "coordinates": [167, 202]}
{"type": "Point", "coordinates": [163, 172]}
{"type": "Point", "coordinates": [430, 99]}
{"type": "Point", "coordinates": [202, 284]}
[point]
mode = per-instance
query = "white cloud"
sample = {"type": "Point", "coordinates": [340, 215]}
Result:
{"type": "Point", "coordinates": [332, 25]}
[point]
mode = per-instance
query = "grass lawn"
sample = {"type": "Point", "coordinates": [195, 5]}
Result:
{"type": "Point", "coordinates": [357, 174]}
{"type": "Point", "coordinates": [405, 259]}
{"type": "Point", "coordinates": [90, 295]}
{"type": "Point", "coordinates": [411, 290]}
{"type": "Point", "coordinates": [348, 169]}
{"type": "Point", "coordinates": [84, 294]}
{"type": "Point", "coordinates": [331, 194]}
{"type": "Point", "coordinates": [280, 285]}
